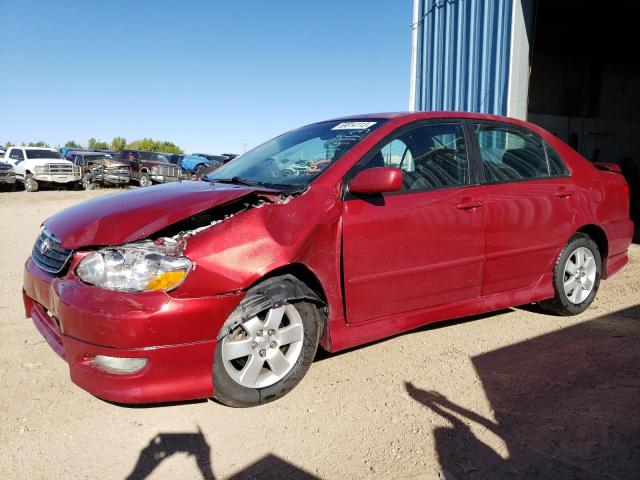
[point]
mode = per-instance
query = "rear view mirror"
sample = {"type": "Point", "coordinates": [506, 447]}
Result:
{"type": "Point", "coordinates": [377, 180]}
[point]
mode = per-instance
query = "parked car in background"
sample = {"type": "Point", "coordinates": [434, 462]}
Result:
{"type": "Point", "coordinates": [228, 288]}
{"type": "Point", "coordinates": [224, 158]}
{"type": "Point", "coordinates": [148, 168]}
{"type": "Point", "coordinates": [35, 165]}
{"type": "Point", "coordinates": [198, 166]}
{"type": "Point", "coordinates": [7, 176]}
{"type": "Point", "coordinates": [100, 169]}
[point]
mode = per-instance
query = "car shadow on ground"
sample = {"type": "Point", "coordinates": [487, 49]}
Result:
{"type": "Point", "coordinates": [165, 445]}
{"type": "Point", "coordinates": [565, 405]}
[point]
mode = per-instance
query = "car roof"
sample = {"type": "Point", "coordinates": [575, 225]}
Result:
{"type": "Point", "coordinates": [86, 152]}
{"type": "Point", "coordinates": [36, 148]}
{"type": "Point", "coordinates": [431, 114]}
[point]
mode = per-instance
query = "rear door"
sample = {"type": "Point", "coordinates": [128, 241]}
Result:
{"type": "Point", "coordinates": [529, 205]}
{"type": "Point", "coordinates": [420, 247]}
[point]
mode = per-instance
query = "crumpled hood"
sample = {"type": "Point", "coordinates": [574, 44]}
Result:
{"type": "Point", "coordinates": [135, 214]}
{"type": "Point", "coordinates": [111, 162]}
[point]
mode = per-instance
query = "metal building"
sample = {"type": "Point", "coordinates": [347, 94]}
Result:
{"type": "Point", "coordinates": [571, 66]}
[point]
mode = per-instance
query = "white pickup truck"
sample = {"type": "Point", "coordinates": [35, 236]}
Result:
{"type": "Point", "coordinates": [34, 165]}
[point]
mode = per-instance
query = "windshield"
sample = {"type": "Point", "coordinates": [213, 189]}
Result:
{"type": "Point", "coordinates": [43, 154]}
{"type": "Point", "coordinates": [294, 159]}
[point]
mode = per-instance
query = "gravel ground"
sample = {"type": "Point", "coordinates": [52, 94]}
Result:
{"type": "Point", "coordinates": [514, 394]}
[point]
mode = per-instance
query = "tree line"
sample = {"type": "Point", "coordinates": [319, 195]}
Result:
{"type": "Point", "coordinates": [117, 144]}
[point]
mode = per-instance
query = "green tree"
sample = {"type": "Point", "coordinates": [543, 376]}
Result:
{"type": "Point", "coordinates": [8, 144]}
{"type": "Point", "coordinates": [97, 144]}
{"type": "Point", "coordinates": [39, 144]}
{"type": "Point", "coordinates": [72, 144]}
{"type": "Point", "coordinates": [118, 143]}
{"type": "Point", "coordinates": [151, 145]}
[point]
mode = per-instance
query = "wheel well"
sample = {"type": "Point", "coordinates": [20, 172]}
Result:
{"type": "Point", "coordinates": [306, 276]}
{"type": "Point", "coordinates": [598, 236]}
{"type": "Point", "coordinates": [144, 170]}
{"type": "Point", "coordinates": [302, 273]}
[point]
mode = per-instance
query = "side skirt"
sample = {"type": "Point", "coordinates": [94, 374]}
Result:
{"type": "Point", "coordinates": [343, 335]}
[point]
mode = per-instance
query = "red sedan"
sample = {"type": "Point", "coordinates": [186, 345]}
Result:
{"type": "Point", "coordinates": [227, 287]}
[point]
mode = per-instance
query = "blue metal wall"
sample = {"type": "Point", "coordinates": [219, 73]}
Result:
{"type": "Point", "coordinates": [462, 55]}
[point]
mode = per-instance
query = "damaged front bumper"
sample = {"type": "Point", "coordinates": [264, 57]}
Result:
{"type": "Point", "coordinates": [176, 336]}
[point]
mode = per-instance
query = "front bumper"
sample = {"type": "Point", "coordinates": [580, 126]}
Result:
{"type": "Point", "coordinates": [176, 335]}
{"type": "Point", "coordinates": [9, 179]}
{"type": "Point", "coordinates": [43, 177]}
{"type": "Point", "coordinates": [111, 178]}
{"type": "Point", "coordinates": [164, 178]}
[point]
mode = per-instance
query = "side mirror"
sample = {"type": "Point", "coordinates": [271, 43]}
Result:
{"type": "Point", "coordinates": [377, 180]}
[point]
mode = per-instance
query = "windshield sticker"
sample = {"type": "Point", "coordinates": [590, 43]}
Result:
{"type": "Point", "coordinates": [353, 125]}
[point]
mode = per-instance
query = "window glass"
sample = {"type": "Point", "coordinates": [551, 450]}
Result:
{"type": "Point", "coordinates": [510, 153]}
{"type": "Point", "coordinates": [43, 154]}
{"type": "Point", "coordinates": [16, 154]}
{"type": "Point", "coordinates": [430, 157]}
{"type": "Point", "coordinates": [294, 159]}
{"type": "Point", "coordinates": [557, 167]}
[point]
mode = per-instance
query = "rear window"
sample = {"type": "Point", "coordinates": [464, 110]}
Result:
{"type": "Point", "coordinates": [43, 154]}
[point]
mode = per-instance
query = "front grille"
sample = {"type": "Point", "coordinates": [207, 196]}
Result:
{"type": "Point", "coordinates": [169, 171]}
{"type": "Point", "coordinates": [117, 171]}
{"type": "Point", "coordinates": [58, 169]}
{"type": "Point", "coordinates": [49, 255]}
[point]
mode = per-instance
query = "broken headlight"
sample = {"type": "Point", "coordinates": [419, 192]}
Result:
{"type": "Point", "coordinates": [134, 268]}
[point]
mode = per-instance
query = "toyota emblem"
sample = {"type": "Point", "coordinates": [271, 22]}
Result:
{"type": "Point", "coordinates": [45, 246]}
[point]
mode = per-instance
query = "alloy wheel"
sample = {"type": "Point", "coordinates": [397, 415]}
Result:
{"type": "Point", "coordinates": [579, 275]}
{"type": "Point", "coordinates": [264, 348]}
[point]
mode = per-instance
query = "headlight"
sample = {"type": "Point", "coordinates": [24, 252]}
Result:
{"type": "Point", "coordinates": [39, 169]}
{"type": "Point", "coordinates": [134, 268]}
{"type": "Point", "coordinates": [155, 170]}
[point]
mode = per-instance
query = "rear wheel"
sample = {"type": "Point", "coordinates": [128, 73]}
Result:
{"type": "Point", "coordinates": [576, 277]}
{"type": "Point", "coordinates": [266, 356]}
{"type": "Point", "coordinates": [30, 184]}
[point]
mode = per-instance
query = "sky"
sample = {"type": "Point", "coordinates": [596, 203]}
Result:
{"type": "Point", "coordinates": [211, 76]}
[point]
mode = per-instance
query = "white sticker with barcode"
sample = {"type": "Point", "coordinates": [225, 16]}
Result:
{"type": "Point", "coordinates": [353, 125]}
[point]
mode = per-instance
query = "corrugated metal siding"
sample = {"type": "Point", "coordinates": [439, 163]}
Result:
{"type": "Point", "coordinates": [462, 55]}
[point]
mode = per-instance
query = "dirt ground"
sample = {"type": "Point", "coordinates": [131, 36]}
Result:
{"type": "Point", "coordinates": [514, 394]}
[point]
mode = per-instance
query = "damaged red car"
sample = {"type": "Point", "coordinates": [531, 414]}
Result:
{"type": "Point", "coordinates": [333, 235]}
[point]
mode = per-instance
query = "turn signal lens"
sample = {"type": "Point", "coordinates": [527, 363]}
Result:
{"type": "Point", "coordinates": [166, 280]}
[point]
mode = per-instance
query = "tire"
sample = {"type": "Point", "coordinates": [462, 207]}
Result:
{"type": "Point", "coordinates": [580, 252]}
{"type": "Point", "coordinates": [86, 182]}
{"type": "Point", "coordinates": [232, 387]}
{"type": "Point", "coordinates": [198, 172]}
{"type": "Point", "coordinates": [30, 184]}
{"type": "Point", "coordinates": [144, 180]}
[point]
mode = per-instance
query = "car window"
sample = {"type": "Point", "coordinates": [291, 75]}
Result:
{"type": "Point", "coordinates": [510, 153]}
{"type": "Point", "coordinates": [430, 156]}
{"type": "Point", "coordinates": [16, 154]}
{"type": "Point", "coordinates": [132, 156]}
{"type": "Point", "coordinates": [31, 153]}
{"type": "Point", "coordinates": [557, 168]}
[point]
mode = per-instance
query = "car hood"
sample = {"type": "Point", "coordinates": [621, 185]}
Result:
{"type": "Point", "coordinates": [110, 162]}
{"type": "Point", "coordinates": [135, 214]}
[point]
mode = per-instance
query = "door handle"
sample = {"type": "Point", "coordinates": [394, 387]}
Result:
{"type": "Point", "coordinates": [468, 203]}
{"type": "Point", "coordinates": [564, 192]}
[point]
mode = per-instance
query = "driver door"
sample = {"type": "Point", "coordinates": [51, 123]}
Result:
{"type": "Point", "coordinates": [423, 246]}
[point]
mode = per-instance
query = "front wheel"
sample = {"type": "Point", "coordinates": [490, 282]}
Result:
{"type": "Point", "coordinates": [30, 184]}
{"type": "Point", "coordinates": [86, 182]}
{"type": "Point", "coordinates": [576, 277]}
{"type": "Point", "coordinates": [145, 180]}
{"type": "Point", "coordinates": [266, 356]}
